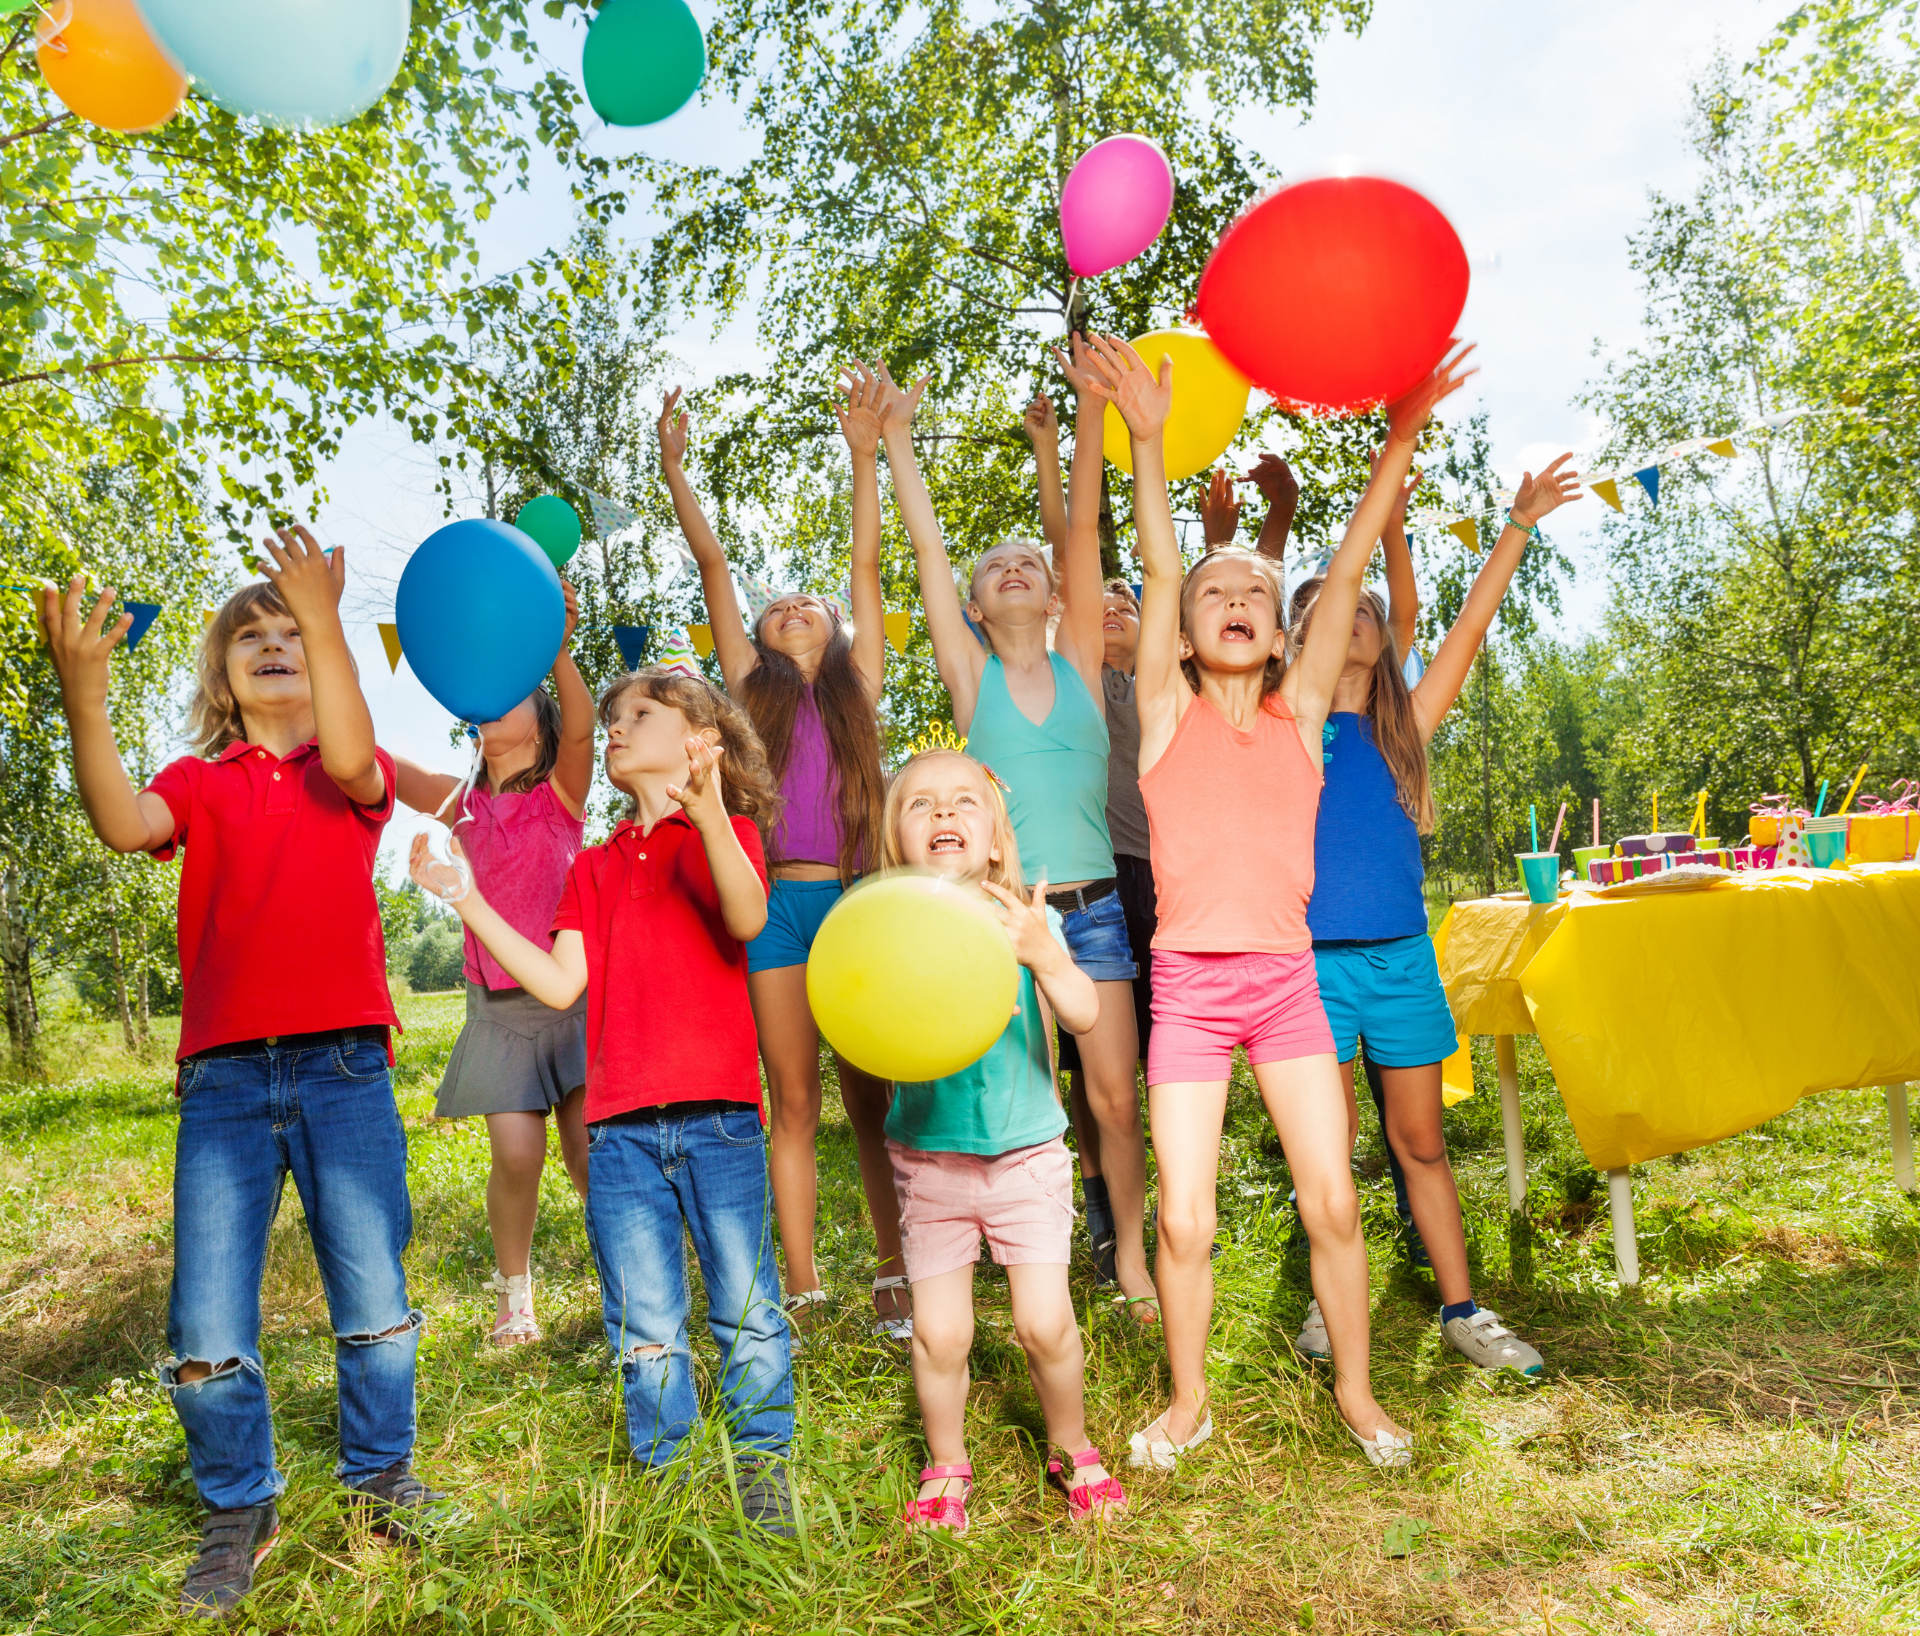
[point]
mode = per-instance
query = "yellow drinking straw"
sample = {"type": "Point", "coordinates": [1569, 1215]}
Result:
{"type": "Point", "coordinates": [1700, 816]}
{"type": "Point", "coordinates": [1656, 813]}
{"type": "Point", "coordinates": [1862, 773]}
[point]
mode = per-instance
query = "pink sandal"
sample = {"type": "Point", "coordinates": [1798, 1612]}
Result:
{"type": "Point", "coordinates": [946, 1511]}
{"type": "Point", "coordinates": [1105, 1498]}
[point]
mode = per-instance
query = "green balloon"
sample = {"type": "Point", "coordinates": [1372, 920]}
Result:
{"type": "Point", "coordinates": [644, 60]}
{"type": "Point", "coordinates": [553, 525]}
{"type": "Point", "coordinates": [9, 7]}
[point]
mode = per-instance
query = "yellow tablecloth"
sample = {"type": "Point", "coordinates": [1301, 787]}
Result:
{"type": "Point", "coordinates": [1676, 1018]}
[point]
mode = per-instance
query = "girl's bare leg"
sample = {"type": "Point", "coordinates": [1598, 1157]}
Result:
{"type": "Point", "coordinates": [1187, 1120]}
{"type": "Point", "coordinates": [570, 1123]}
{"type": "Point", "coordinates": [790, 1050]}
{"type": "Point", "coordinates": [1108, 1057]}
{"type": "Point", "coordinates": [1048, 1331]}
{"type": "Point", "coordinates": [867, 1101]}
{"type": "Point", "coordinates": [1414, 1132]}
{"type": "Point", "coordinates": [519, 1143]}
{"type": "Point", "coordinates": [942, 1338]}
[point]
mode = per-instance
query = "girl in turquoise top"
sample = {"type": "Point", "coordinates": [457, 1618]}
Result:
{"type": "Point", "coordinates": [1033, 715]}
{"type": "Point", "coordinates": [979, 1153]}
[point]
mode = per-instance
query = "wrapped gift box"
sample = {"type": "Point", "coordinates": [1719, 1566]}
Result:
{"type": "Point", "coordinates": [1642, 846]}
{"type": "Point", "coordinates": [1878, 837]}
{"type": "Point", "coordinates": [1755, 857]}
{"type": "Point", "coordinates": [1611, 871]}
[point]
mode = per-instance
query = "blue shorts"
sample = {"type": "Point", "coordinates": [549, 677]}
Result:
{"type": "Point", "coordinates": [795, 909]}
{"type": "Point", "coordinates": [1097, 940]}
{"type": "Point", "coordinates": [1388, 994]}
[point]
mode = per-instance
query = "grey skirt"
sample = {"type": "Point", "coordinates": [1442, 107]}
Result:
{"type": "Point", "coordinates": [515, 1055]}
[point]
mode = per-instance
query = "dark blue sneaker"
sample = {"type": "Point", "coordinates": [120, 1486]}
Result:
{"type": "Point", "coordinates": [231, 1546]}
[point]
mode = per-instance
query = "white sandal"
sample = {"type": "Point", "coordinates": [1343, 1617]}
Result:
{"type": "Point", "coordinates": [800, 1307]}
{"type": "Point", "coordinates": [519, 1325]}
{"type": "Point", "coordinates": [1385, 1450]}
{"type": "Point", "coordinates": [1153, 1448]}
{"type": "Point", "coordinates": [896, 1328]}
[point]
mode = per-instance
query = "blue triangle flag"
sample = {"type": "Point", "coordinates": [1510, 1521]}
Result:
{"type": "Point", "coordinates": [144, 614]}
{"type": "Point", "coordinates": [632, 642]}
{"type": "Point", "coordinates": [1648, 478]}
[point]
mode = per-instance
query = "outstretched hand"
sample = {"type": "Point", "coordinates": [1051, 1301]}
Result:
{"type": "Point", "coordinates": [1408, 415]}
{"type": "Point", "coordinates": [572, 598]}
{"type": "Point", "coordinates": [672, 428]}
{"type": "Point", "coordinates": [1144, 400]}
{"type": "Point", "coordinates": [1219, 510]}
{"type": "Point", "coordinates": [860, 414]}
{"type": "Point", "coordinates": [1552, 489]}
{"type": "Point", "coordinates": [701, 796]}
{"type": "Point", "coordinates": [899, 404]}
{"type": "Point", "coordinates": [1040, 422]}
{"type": "Point", "coordinates": [1274, 478]}
{"type": "Point", "coordinates": [1026, 924]}
{"type": "Point", "coordinates": [308, 579]}
{"type": "Point", "coordinates": [74, 638]}
{"type": "Point", "coordinates": [1078, 368]}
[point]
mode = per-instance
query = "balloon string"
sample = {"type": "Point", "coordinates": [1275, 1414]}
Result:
{"type": "Point", "coordinates": [465, 787]}
{"type": "Point", "coordinates": [55, 26]}
{"type": "Point", "coordinates": [1073, 290]}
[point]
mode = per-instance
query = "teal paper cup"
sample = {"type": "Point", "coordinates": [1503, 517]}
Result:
{"type": "Point", "coordinates": [1826, 840]}
{"type": "Point", "coordinates": [1540, 874]}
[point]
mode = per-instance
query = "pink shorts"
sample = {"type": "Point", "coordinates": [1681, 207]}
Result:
{"type": "Point", "coordinates": [1206, 1004]}
{"type": "Point", "coordinates": [1022, 1201]}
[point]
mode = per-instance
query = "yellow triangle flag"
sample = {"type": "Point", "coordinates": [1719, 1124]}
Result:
{"type": "Point", "coordinates": [1609, 490]}
{"type": "Point", "coordinates": [208, 616]}
{"type": "Point", "coordinates": [702, 639]}
{"type": "Point", "coordinates": [390, 640]}
{"type": "Point", "coordinates": [1466, 533]}
{"type": "Point", "coordinates": [1721, 445]}
{"type": "Point", "coordinates": [899, 628]}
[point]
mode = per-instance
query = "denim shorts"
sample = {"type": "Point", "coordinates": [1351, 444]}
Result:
{"type": "Point", "coordinates": [1388, 994]}
{"type": "Point", "coordinates": [795, 909]}
{"type": "Point", "coordinates": [1097, 940]}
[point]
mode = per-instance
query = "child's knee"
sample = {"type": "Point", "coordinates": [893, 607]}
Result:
{"type": "Point", "coordinates": [1424, 1144]}
{"type": "Point", "coordinates": [940, 1337]}
{"type": "Point", "coordinates": [1330, 1208]}
{"type": "Point", "coordinates": [1187, 1228]}
{"type": "Point", "coordinates": [1050, 1337]}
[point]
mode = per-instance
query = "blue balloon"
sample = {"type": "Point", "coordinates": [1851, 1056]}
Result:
{"type": "Point", "coordinates": [481, 617]}
{"type": "Point", "coordinates": [288, 62]}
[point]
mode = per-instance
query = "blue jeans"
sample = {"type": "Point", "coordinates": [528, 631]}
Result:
{"type": "Point", "coordinates": [324, 1115]}
{"type": "Point", "coordinates": [650, 1183]}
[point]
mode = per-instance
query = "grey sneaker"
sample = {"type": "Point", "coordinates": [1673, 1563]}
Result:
{"type": "Point", "coordinates": [1489, 1343]}
{"type": "Point", "coordinates": [231, 1546]}
{"type": "Point", "coordinates": [400, 1507]}
{"type": "Point", "coordinates": [766, 1501]}
{"type": "Point", "coordinates": [1312, 1343]}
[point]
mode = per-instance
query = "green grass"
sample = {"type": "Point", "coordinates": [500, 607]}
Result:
{"type": "Point", "coordinates": [1732, 1448]}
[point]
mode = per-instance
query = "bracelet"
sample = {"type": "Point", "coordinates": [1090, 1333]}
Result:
{"type": "Point", "coordinates": [1531, 530]}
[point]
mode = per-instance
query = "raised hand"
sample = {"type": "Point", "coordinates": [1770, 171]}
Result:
{"type": "Point", "coordinates": [1219, 510]}
{"type": "Point", "coordinates": [700, 797]}
{"type": "Point", "coordinates": [672, 428]}
{"type": "Point", "coordinates": [74, 639]}
{"type": "Point", "coordinates": [449, 878]}
{"type": "Point", "coordinates": [1040, 422]}
{"type": "Point", "coordinates": [1026, 925]}
{"type": "Point", "coordinates": [1274, 478]}
{"type": "Point", "coordinates": [860, 414]}
{"type": "Point", "coordinates": [1143, 400]}
{"type": "Point", "coordinates": [308, 579]}
{"type": "Point", "coordinates": [898, 404]}
{"type": "Point", "coordinates": [1408, 416]}
{"type": "Point", "coordinates": [1086, 381]}
{"type": "Point", "coordinates": [1552, 489]}
{"type": "Point", "coordinates": [573, 613]}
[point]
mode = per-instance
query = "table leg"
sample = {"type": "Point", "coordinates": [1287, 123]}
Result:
{"type": "Point", "coordinates": [1509, 1066]}
{"type": "Point", "coordinates": [1626, 1249]}
{"type": "Point", "coordinates": [1901, 1132]}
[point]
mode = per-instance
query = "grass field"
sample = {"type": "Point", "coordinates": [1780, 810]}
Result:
{"type": "Point", "coordinates": [1733, 1447]}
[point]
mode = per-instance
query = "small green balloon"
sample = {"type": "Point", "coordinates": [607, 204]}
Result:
{"type": "Point", "coordinates": [9, 7]}
{"type": "Point", "coordinates": [551, 524]}
{"type": "Point", "coordinates": [644, 60]}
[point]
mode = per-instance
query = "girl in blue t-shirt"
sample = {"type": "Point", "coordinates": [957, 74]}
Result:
{"type": "Point", "coordinates": [979, 1152]}
{"type": "Point", "coordinates": [1378, 977]}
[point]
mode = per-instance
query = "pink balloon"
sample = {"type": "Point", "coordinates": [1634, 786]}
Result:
{"type": "Point", "coordinates": [1117, 198]}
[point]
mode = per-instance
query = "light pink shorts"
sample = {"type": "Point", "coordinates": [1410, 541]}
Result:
{"type": "Point", "coordinates": [1206, 1004]}
{"type": "Point", "coordinates": [1022, 1201]}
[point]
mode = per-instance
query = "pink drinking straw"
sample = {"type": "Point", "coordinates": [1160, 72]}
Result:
{"type": "Point", "coordinates": [1554, 844]}
{"type": "Point", "coordinates": [1596, 820]}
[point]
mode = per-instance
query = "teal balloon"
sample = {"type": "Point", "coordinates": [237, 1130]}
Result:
{"type": "Point", "coordinates": [287, 62]}
{"type": "Point", "coordinates": [644, 60]}
{"type": "Point", "coordinates": [553, 525]}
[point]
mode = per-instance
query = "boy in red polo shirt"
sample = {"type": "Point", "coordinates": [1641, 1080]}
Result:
{"type": "Point", "coordinates": [283, 1035]}
{"type": "Point", "coordinates": [653, 924]}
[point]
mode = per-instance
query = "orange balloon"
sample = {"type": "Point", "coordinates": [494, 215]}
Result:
{"type": "Point", "coordinates": [105, 66]}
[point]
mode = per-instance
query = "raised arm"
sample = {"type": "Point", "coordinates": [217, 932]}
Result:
{"type": "Point", "coordinates": [1441, 685]}
{"type": "Point", "coordinates": [1067, 989]}
{"type": "Point", "coordinates": [554, 977]}
{"type": "Point", "coordinates": [1160, 689]}
{"type": "Point", "coordinates": [859, 419]}
{"type": "Point", "coordinates": [420, 787]}
{"type": "Point", "coordinates": [1274, 478]}
{"type": "Point", "coordinates": [1308, 688]}
{"type": "Point", "coordinates": [1219, 511]}
{"type": "Point", "coordinates": [573, 770]}
{"type": "Point", "coordinates": [310, 583]}
{"type": "Point", "coordinates": [957, 654]}
{"type": "Point", "coordinates": [743, 897]}
{"type": "Point", "coordinates": [1078, 639]}
{"type": "Point", "coordinates": [730, 639]}
{"type": "Point", "coordinates": [1403, 591]}
{"type": "Point", "coordinates": [125, 820]}
{"type": "Point", "coordinates": [1042, 427]}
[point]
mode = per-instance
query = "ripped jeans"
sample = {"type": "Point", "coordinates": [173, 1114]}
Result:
{"type": "Point", "coordinates": [651, 1183]}
{"type": "Point", "coordinates": [324, 1115]}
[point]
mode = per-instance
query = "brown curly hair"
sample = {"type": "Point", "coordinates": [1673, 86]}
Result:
{"type": "Point", "coordinates": [746, 781]}
{"type": "Point", "coordinates": [213, 719]}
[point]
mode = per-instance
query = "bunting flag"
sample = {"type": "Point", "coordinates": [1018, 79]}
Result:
{"type": "Point", "coordinates": [610, 517]}
{"type": "Point", "coordinates": [390, 640]}
{"type": "Point", "coordinates": [1721, 445]}
{"type": "Point", "coordinates": [208, 616]}
{"type": "Point", "coordinates": [1608, 489]}
{"type": "Point", "coordinates": [899, 629]}
{"type": "Point", "coordinates": [144, 614]}
{"type": "Point", "coordinates": [632, 642]}
{"type": "Point", "coordinates": [676, 652]}
{"type": "Point", "coordinates": [702, 638]}
{"type": "Point", "coordinates": [1648, 477]}
{"type": "Point", "coordinates": [1466, 532]}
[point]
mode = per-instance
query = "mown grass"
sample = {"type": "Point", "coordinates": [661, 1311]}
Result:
{"type": "Point", "coordinates": [1732, 1448]}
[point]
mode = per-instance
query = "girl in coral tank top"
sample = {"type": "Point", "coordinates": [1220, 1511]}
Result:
{"type": "Point", "coordinates": [1230, 774]}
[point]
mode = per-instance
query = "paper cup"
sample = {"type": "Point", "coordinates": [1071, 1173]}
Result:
{"type": "Point", "coordinates": [1584, 856]}
{"type": "Point", "coordinates": [1540, 874]}
{"type": "Point", "coordinates": [1826, 840]}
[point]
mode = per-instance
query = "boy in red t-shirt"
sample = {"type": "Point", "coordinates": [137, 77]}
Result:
{"type": "Point", "coordinates": [283, 1038]}
{"type": "Point", "coordinates": [653, 925]}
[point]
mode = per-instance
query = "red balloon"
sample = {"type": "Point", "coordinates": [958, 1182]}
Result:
{"type": "Point", "coordinates": [1338, 293]}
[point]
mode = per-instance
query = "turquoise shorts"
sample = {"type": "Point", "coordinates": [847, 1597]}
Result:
{"type": "Point", "coordinates": [795, 909]}
{"type": "Point", "coordinates": [1388, 994]}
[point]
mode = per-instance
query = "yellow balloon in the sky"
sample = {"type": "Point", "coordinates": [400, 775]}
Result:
{"type": "Point", "coordinates": [1209, 403]}
{"type": "Point", "coordinates": [911, 977]}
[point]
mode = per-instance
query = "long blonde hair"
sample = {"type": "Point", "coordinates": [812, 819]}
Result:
{"type": "Point", "coordinates": [213, 719]}
{"type": "Point", "coordinates": [1396, 726]}
{"type": "Point", "coordinates": [1004, 874]}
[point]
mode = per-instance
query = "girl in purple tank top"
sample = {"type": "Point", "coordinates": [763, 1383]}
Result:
{"type": "Point", "coordinates": [516, 1059]}
{"type": "Point", "coordinates": [811, 680]}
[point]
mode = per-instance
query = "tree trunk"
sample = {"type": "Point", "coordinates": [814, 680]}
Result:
{"type": "Point", "coordinates": [1109, 533]}
{"type": "Point", "coordinates": [1486, 763]}
{"type": "Point", "coordinates": [23, 1018]}
{"type": "Point", "coordinates": [146, 1008]}
{"type": "Point", "coordinates": [120, 987]}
